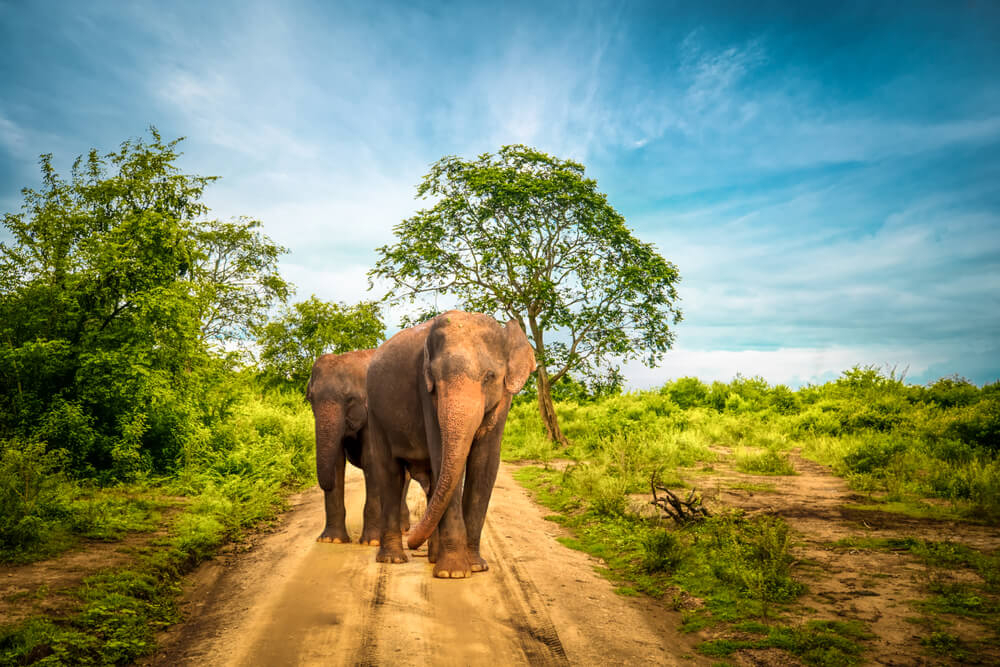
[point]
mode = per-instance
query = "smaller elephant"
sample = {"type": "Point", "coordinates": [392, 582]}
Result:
{"type": "Point", "coordinates": [336, 391]}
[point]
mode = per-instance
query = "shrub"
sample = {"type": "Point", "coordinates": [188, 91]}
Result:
{"type": "Point", "coordinates": [33, 496]}
{"type": "Point", "coordinates": [873, 455]}
{"type": "Point", "coordinates": [662, 550]}
{"type": "Point", "coordinates": [766, 462]}
{"type": "Point", "coordinates": [978, 425]}
{"type": "Point", "coordinates": [609, 498]}
{"type": "Point", "coordinates": [686, 392]}
{"type": "Point", "coordinates": [953, 391]}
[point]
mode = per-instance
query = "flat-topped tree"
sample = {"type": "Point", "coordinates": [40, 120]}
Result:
{"type": "Point", "coordinates": [524, 235]}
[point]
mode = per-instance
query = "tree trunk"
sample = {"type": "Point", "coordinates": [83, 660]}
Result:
{"type": "Point", "coordinates": [548, 410]}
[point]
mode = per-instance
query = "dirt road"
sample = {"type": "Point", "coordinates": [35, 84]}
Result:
{"type": "Point", "coordinates": [293, 601]}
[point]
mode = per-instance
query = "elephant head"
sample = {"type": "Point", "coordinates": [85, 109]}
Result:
{"type": "Point", "coordinates": [471, 368]}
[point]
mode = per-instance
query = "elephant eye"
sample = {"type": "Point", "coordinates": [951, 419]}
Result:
{"type": "Point", "coordinates": [490, 375]}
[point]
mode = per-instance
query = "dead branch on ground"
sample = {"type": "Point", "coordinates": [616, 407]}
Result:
{"type": "Point", "coordinates": [681, 511]}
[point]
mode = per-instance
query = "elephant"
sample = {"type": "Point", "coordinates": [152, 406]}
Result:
{"type": "Point", "coordinates": [438, 398]}
{"type": "Point", "coordinates": [336, 391]}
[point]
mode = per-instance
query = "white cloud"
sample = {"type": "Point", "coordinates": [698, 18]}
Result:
{"type": "Point", "coordinates": [791, 366]}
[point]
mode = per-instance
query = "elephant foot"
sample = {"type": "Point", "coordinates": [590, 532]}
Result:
{"type": "Point", "coordinates": [391, 550]}
{"type": "Point", "coordinates": [332, 536]}
{"type": "Point", "coordinates": [477, 562]}
{"type": "Point", "coordinates": [370, 538]}
{"type": "Point", "coordinates": [452, 565]}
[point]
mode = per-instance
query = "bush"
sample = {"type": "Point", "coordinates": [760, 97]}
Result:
{"type": "Point", "coordinates": [873, 455]}
{"type": "Point", "coordinates": [754, 555]}
{"type": "Point", "coordinates": [33, 496]}
{"type": "Point", "coordinates": [686, 392]}
{"type": "Point", "coordinates": [952, 392]}
{"type": "Point", "coordinates": [978, 425]}
{"type": "Point", "coordinates": [662, 550]}
{"type": "Point", "coordinates": [767, 462]}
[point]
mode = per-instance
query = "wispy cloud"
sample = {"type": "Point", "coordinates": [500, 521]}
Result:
{"type": "Point", "coordinates": [822, 213]}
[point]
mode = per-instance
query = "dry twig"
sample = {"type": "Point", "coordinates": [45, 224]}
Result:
{"type": "Point", "coordinates": [681, 511]}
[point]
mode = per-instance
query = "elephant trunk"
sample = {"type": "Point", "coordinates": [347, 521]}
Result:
{"type": "Point", "coordinates": [460, 412]}
{"type": "Point", "coordinates": [330, 427]}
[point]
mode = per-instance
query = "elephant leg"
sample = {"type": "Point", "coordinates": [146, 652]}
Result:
{"type": "Point", "coordinates": [372, 532]}
{"type": "Point", "coordinates": [330, 474]}
{"type": "Point", "coordinates": [452, 557]}
{"type": "Point", "coordinates": [389, 485]}
{"type": "Point", "coordinates": [480, 475]}
{"type": "Point", "coordinates": [424, 479]}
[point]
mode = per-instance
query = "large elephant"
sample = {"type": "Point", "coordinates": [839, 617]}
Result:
{"type": "Point", "coordinates": [337, 393]}
{"type": "Point", "coordinates": [438, 398]}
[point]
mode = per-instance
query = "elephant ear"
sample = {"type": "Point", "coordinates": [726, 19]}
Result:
{"type": "Point", "coordinates": [520, 358]}
{"type": "Point", "coordinates": [355, 414]}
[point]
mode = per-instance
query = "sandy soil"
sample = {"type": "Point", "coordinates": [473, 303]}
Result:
{"type": "Point", "coordinates": [293, 601]}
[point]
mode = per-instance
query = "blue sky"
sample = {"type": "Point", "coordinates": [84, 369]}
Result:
{"type": "Point", "coordinates": [826, 178]}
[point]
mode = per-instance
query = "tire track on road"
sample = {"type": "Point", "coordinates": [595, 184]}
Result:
{"type": "Point", "coordinates": [529, 615]}
{"type": "Point", "coordinates": [372, 622]}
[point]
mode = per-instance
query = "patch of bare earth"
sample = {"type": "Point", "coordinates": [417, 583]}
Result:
{"type": "Point", "coordinates": [45, 587]}
{"type": "Point", "coordinates": [878, 588]}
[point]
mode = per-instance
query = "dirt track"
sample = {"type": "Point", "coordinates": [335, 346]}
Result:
{"type": "Point", "coordinates": [293, 601]}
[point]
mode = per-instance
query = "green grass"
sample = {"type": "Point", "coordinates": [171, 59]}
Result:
{"type": "Point", "coordinates": [827, 643]}
{"type": "Point", "coordinates": [946, 597]}
{"type": "Point", "coordinates": [763, 462]}
{"type": "Point", "coordinates": [740, 568]}
{"type": "Point", "coordinates": [250, 461]}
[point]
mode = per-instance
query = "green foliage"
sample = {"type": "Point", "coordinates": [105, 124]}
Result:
{"type": "Point", "coordinates": [961, 599]}
{"type": "Point", "coordinates": [826, 643]}
{"type": "Point", "coordinates": [765, 462]}
{"type": "Point", "coordinates": [526, 236]}
{"type": "Point", "coordinates": [662, 551]}
{"type": "Point", "coordinates": [742, 560]}
{"type": "Point", "coordinates": [260, 447]}
{"type": "Point", "coordinates": [945, 643]}
{"type": "Point", "coordinates": [110, 290]}
{"type": "Point", "coordinates": [32, 496]}
{"type": "Point", "coordinates": [686, 392]}
{"type": "Point", "coordinates": [237, 279]}
{"type": "Point", "coordinates": [898, 443]}
{"type": "Point", "coordinates": [291, 343]}
{"type": "Point", "coordinates": [568, 388]}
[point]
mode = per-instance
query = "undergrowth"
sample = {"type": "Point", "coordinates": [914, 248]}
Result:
{"type": "Point", "coordinates": [247, 463]}
{"type": "Point", "coordinates": [928, 451]}
{"type": "Point", "coordinates": [739, 569]}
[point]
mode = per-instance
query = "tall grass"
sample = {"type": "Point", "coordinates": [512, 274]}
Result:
{"type": "Point", "coordinates": [897, 443]}
{"type": "Point", "coordinates": [887, 438]}
{"type": "Point", "coordinates": [232, 473]}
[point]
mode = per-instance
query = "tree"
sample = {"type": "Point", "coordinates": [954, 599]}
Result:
{"type": "Point", "coordinates": [107, 298]}
{"type": "Point", "coordinates": [236, 275]}
{"type": "Point", "coordinates": [525, 235]}
{"type": "Point", "coordinates": [291, 343]}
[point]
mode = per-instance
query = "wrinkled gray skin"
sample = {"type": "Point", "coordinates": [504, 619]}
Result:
{"type": "Point", "coordinates": [438, 397]}
{"type": "Point", "coordinates": [337, 394]}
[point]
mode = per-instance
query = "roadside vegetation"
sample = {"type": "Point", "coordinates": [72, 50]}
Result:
{"type": "Point", "coordinates": [912, 451]}
{"type": "Point", "coordinates": [132, 408]}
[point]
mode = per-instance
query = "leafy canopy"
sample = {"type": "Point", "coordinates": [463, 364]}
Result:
{"type": "Point", "coordinates": [110, 288]}
{"type": "Point", "coordinates": [525, 235]}
{"type": "Point", "coordinates": [291, 343]}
